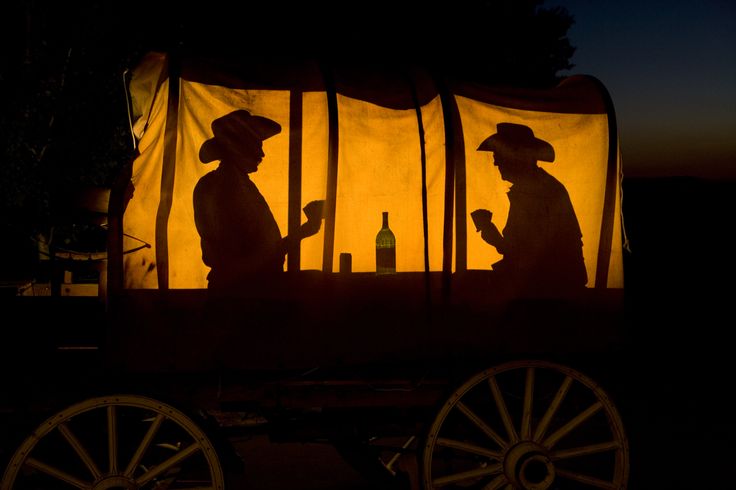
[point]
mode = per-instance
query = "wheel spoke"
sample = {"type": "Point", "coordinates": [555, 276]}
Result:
{"type": "Point", "coordinates": [144, 445]}
{"type": "Point", "coordinates": [588, 480]}
{"type": "Point", "coordinates": [552, 409]}
{"type": "Point", "coordinates": [469, 448]}
{"type": "Point", "coordinates": [467, 475]}
{"type": "Point", "coordinates": [570, 426]}
{"type": "Point", "coordinates": [496, 483]}
{"type": "Point", "coordinates": [480, 424]}
{"type": "Point", "coordinates": [112, 440]}
{"type": "Point", "coordinates": [79, 449]}
{"type": "Point", "coordinates": [57, 473]}
{"type": "Point", "coordinates": [168, 464]}
{"type": "Point", "coordinates": [526, 418]}
{"type": "Point", "coordinates": [503, 410]}
{"type": "Point", "coordinates": [586, 450]}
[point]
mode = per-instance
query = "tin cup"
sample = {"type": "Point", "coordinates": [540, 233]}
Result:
{"type": "Point", "coordinates": [346, 262]}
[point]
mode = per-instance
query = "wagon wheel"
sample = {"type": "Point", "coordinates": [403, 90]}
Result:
{"type": "Point", "coordinates": [121, 442]}
{"type": "Point", "coordinates": [529, 425]}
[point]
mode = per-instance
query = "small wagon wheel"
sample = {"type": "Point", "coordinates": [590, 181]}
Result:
{"type": "Point", "coordinates": [530, 425]}
{"type": "Point", "coordinates": [122, 442]}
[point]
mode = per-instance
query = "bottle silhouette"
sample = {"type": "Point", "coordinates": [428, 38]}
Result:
{"type": "Point", "coordinates": [385, 249]}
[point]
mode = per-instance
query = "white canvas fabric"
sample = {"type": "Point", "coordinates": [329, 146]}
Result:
{"type": "Point", "coordinates": [394, 152]}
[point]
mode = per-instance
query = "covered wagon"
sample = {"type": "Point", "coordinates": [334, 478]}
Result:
{"type": "Point", "coordinates": [442, 258]}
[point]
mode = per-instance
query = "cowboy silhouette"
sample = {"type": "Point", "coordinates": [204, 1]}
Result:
{"type": "Point", "coordinates": [240, 239]}
{"type": "Point", "coordinates": [541, 243]}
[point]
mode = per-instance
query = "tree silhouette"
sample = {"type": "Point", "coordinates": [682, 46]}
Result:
{"type": "Point", "coordinates": [64, 119]}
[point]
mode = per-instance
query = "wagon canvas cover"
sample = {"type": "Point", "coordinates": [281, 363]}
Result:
{"type": "Point", "coordinates": [366, 141]}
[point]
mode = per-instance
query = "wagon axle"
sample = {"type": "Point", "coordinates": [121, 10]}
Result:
{"type": "Point", "coordinates": [528, 466]}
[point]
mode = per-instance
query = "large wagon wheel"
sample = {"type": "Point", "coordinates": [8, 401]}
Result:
{"type": "Point", "coordinates": [122, 442]}
{"type": "Point", "coordinates": [530, 425]}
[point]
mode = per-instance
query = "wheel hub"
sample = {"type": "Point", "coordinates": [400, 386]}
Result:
{"type": "Point", "coordinates": [527, 466]}
{"type": "Point", "coordinates": [115, 482]}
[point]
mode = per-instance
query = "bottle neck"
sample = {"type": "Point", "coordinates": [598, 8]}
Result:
{"type": "Point", "coordinates": [385, 219]}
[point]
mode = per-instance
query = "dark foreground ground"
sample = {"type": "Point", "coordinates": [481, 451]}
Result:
{"type": "Point", "coordinates": [673, 382]}
{"type": "Point", "coordinates": [679, 281]}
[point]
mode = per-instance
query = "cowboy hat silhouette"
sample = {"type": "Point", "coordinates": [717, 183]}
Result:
{"type": "Point", "coordinates": [519, 140]}
{"type": "Point", "coordinates": [233, 129]}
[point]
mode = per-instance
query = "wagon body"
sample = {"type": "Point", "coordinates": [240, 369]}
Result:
{"type": "Point", "coordinates": [364, 139]}
{"type": "Point", "coordinates": [409, 350]}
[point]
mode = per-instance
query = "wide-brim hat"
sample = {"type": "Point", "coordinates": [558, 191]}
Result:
{"type": "Point", "coordinates": [519, 140]}
{"type": "Point", "coordinates": [234, 128]}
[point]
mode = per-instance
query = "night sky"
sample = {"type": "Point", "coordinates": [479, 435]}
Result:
{"type": "Point", "coordinates": [670, 67]}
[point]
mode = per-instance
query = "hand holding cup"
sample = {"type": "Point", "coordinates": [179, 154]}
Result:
{"type": "Point", "coordinates": [315, 213]}
{"type": "Point", "coordinates": [481, 218]}
{"type": "Point", "coordinates": [314, 210]}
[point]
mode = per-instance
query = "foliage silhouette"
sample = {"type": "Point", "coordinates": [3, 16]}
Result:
{"type": "Point", "coordinates": [64, 118]}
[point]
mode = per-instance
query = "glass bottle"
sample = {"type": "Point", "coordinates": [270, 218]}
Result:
{"type": "Point", "coordinates": [385, 249]}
